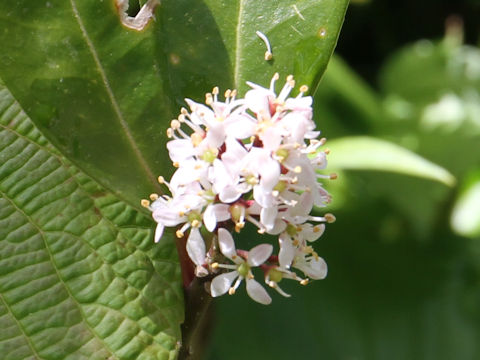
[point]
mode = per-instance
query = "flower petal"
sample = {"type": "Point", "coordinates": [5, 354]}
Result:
{"type": "Point", "coordinates": [315, 268]}
{"type": "Point", "coordinates": [221, 283]}
{"type": "Point", "coordinates": [257, 292]}
{"type": "Point", "coordinates": [158, 232]}
{"type": "Point", "coordinates": [209, 218]}
{"type": "Point", "coordinates": [196, 246]}
{"type": "Point", "coordinates": [287, 251]}
{"type": "Point", "coordinates": [259, 254]}
{"type": "Point", "coordinates": [267, 217]}
{"type": "Point", "coordinates": [227, 245]}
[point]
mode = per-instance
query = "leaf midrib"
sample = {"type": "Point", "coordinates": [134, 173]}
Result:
{"type": "Point", "coordinates": [238, 38]}
{"type": "Point", "coordinates": [118, 112]}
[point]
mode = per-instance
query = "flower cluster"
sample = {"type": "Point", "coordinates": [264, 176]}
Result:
{"type": "Point", "coordinates": [253, 160]}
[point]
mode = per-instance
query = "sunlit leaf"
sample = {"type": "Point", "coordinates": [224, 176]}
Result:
{"type": "Point", "coordinates": [367, 153]}
{"type": "Point", "coordinates": [465, 218]}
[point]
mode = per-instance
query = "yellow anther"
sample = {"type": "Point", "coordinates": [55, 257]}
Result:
{"type": "Point", "coordinates": [330, 218]}
{"type": "Point", "coordinates": [181, 213]}
{"type": "Point", "coordinates": [297, 169]}
{"type": "Point", "coordinates": [276, 76]}
{"type": "Point", "coordinates": [272, 284]}
{"type": "Point", "coordinates": [175, 124]}
{"type": "Point", "coordinates": [153, 197]}
{"type": "Point", "coordinates": [228, 93]}
{"type": "Point", "coordinates": [268, 55]}
{"type": "Point", "coordinates": [234, 93]}
{"type": "Point", "coordinates": [304, 88]}
{"type": "Point", "coordinates": [231, 291]}
{"type": "Point", "coordinates": [184, 111]}
{"type": "Point", "coordinates": [176, 164]}
{"type": "Point", "coordinates": [326, 151]}
{"type": "Point", "coordinates": [239, 226]}
{"type": "Point", "coordinates": [161, 179]}
{"type": "Point", "coordinates": [333, 176]}
{"type": "Point", "coordinates": [196, 139]}
{"type": "Point", "coordinates": [179, 234]}
{"type": "Point", "coordinates": [169, 133]}
{"type": "Point", "coordinates": [304, 282]}
{"type": "Point", "coordinates": [215, 90]}
{"type": "Point", "coordinates": [145, 203]}
{"type": "Point", "coordinates": [215, 265]}
{"type": "Point", "coordinates": [208, 98]}
{"type": "Point", "coordinates": [196, 223]}
{"type": "Point", "coordinates": [181, 118]}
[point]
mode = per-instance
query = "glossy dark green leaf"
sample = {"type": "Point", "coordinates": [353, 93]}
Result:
{"type": "Point", "coordinates": [104, 94]}
{"type": "Point", "coordinates": [80, 277]}
{"type": "Point", "coordinates": [92, 86]}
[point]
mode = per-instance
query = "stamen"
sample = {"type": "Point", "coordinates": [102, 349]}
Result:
{"type": "Point", "coordinates": [268, 53]}
{"type": "Point", "coordinates": [153, 197]}
{"type": "Point", "coordinates": [275, 77]}
{"type": "Point", "coordinates": [145, 203]}
{"type": "Point", "coordinates": [330, 218]}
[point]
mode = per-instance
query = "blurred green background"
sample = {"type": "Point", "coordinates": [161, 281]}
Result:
{"type": "Point", "coordinates": [404, 254]}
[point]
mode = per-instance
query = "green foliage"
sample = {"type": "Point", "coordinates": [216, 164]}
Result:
{"type": "Point", "coordinates": [80, 276]}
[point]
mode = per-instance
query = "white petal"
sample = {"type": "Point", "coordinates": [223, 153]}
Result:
{"type": "Point", "coordinates": [270, 174]}
{"type": "Point", "coordinates": [316, 269]}
{"type": "Point", "coordinates": [267, 217]}
{"type": "Point", "coordinates": [287, 251]}
{"type": "Point", "coordinates": [240, 126]}
{"type": "Point", "coordinates": [221, 283]}
{"type": "Point", "coordinates": [214, 213]}
{"type": "Point", "coordinates": [229, 194]}
{"type": "Point", "coordinates": [222, 212]}
{"type": "Point", "coordinates": [257, 292]}
{"type": "Point", "coordinates": [180, 149]}
{"type": "Point", "coordinates": [314, 232]}
{"type": "Point", "coordinates": [209, 218]}
{"type": "Point", "coordinates": [271, 138]}
{"type": "Point", "coordinates": [158, 232]}
{"type": "Point", "coordinates": [259, 254]}
{"type": "Point", "coordinates": [278, 227]}
{"type": "Point", "coordinates": [227, 245]}
{"type": "Point", "coordinates": [196, 247]}
{"type": "Point", "coordinates": [258, 101]}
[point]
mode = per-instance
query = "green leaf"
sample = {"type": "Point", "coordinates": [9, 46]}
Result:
{"type": "Point", "coordinates": [341, 81]}
{"type": "Point", "coordinates": [302, 34]}
{"type": "Point", "coordinates": [367, 153]}
{"type": "Point", "coordinates": [91, 85]}
{"type": "Point", "coordinates": [80, 277]}
{"type": "Point", "coordinates": [104, 94]}
{"type": "Point", "coordinates": [465, 218]}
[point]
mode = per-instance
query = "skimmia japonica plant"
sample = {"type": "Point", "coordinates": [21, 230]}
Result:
{"type": "Point", "coordinates": [257, 160]}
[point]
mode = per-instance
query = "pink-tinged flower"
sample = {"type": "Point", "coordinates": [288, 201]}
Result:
{"type": "Point", "coordinates": [241, 269]}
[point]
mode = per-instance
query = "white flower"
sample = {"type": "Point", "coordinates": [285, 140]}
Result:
{"type": "Point", "coordinates": [241, 270]}
{"type": "Point", "coordinates": [253, 160]}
